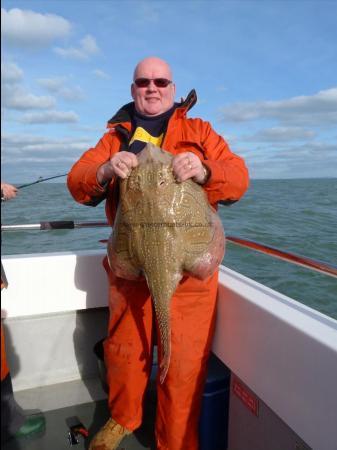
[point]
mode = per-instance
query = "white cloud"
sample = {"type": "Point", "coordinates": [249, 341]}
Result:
{"type": "Point", "coordinates": [88, 44]}
{"type": "Point", "coordinates": [41, 159]}
{"type": "Point", "coordinates": [316, 110]}
{"type": "Point", "coordinates": [317, 150]}
{"type": "Point", "coordinates": [16, 97]}
{"type": "Point", "coordinates": [27, 145]}
{"type": "Point", "coordinates": [87, 48]}
{"type": "Point", "coordinates": [52, 84]}
{"type": "Point", "coordinates": [57, 86]}
{"type": "Point", "coordinates": [10, 141]}
{"type": "Point", "coordinates": [24, 28]}
{"type": "Point", "coordinates": [49, 117]}
{"type": "Point", "coordinates": [27, 156]}
{"type": "Point", "coordinates": [291, 160]}
{"type": "Point", "coordinates": [10, 72]}
{"type": "Point", "coordinates": [280, 134]}
{"type": "Point", "coordinates": [100, 74]}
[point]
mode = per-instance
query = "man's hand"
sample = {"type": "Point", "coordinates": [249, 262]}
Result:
{"type": "Point", "coordinates": [120, 165]}
{"type": "Point", "coordinates": [187, 165]}
{"type": "Point", "coordinates": [8, 191]}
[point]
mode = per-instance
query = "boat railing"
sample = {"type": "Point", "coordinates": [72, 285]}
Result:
{"type": "Point", "coordinates": [293, 258]}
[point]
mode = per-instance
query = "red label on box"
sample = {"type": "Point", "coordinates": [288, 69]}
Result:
{"type": "Point", "coordinates": [246, 397]}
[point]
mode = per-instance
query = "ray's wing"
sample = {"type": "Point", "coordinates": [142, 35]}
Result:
{"type": "Point", "coordinates": [204, 239]}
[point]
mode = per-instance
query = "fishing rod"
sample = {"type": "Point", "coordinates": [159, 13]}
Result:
{"type": "Point", "coordinates": [53, 225]}
{"type": "Point", "coordinates": [304, 261]}
{"type": "Point", "coordinates": [40, 180]}
{"type": "Point", "coordinates": [318, 266]}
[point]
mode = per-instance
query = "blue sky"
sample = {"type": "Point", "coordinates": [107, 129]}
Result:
{"type": "Point", "coordinates": [265, 73]}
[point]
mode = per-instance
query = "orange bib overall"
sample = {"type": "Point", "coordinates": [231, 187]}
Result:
{"type": "Point", "coordinates": [128, 356]}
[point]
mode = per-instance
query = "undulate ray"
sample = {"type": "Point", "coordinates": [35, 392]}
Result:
{"type": "Point", "coordinates": [163, 229]}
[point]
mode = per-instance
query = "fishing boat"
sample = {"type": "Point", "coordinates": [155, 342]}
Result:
{"type": "Point", "coordinates": [275, 389]}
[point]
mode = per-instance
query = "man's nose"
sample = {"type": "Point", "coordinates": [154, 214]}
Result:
{"type": "Point", "coordinates": [152, 86]}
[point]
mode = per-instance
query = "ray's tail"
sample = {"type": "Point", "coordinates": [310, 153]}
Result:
{"type": "Point", "coordinates": [162, 285]}
{"type": "Point", "coordinates": [162, 310]}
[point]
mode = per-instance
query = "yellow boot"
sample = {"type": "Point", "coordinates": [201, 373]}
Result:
{"type": "Point", "coordinates": [109, 436]}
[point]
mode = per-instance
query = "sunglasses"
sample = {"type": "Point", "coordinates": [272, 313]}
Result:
{"type": "Point", "coordinates": [145, 82]}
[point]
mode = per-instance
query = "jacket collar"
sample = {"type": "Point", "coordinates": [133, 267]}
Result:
{"type": "Point", "coordinates": [189, 102]}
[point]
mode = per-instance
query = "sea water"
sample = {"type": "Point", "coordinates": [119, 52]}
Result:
{"type": "Point", "coordinates": [298, 215]}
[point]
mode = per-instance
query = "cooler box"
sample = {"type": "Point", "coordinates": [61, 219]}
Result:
{"type": "Point", "coordinates": [213, 426]}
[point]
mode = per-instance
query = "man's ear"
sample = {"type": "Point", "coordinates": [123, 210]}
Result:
{"type": "Point", "coordinates": [132, 89]}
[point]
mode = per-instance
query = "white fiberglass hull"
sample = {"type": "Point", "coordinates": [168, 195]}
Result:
{"type": "Point", "coordinates": [56, 309]}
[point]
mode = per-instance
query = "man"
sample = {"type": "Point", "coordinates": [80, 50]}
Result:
{"type": "Point", "coordinates": [204, 156]}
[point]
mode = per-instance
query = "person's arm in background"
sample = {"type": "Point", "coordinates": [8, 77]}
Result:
{"type": "Point", "coordinates": [8, 191]}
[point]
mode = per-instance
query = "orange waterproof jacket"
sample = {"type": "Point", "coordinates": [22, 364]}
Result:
{"type": "Point", "coordinates": [228, 174]}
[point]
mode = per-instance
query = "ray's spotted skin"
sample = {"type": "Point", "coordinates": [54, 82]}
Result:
{"type": "Point", "coordinates": [163, 229]}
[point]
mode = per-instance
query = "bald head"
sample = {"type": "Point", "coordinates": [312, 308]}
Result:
{"type": "Point", "coordinates": [152, 63]}
{"type": "Point", "coordinates": [152, 100]}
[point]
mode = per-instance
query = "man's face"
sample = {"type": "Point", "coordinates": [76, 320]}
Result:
{"type": "Point", "coordinates": [152, 100]}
